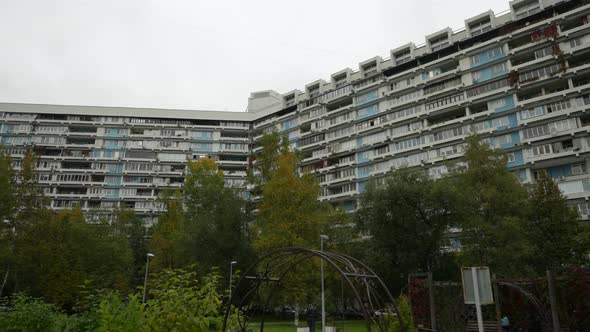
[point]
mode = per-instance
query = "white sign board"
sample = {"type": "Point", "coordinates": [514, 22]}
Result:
{"type": "Point", "coordinates": [484, 285]}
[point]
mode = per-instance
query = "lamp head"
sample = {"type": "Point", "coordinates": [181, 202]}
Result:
{"type": "Point", "coordinates": [324, 237]}
{"type": "Point", "coordinates": [233, 262]}
{"type": "Point", "coordinates": [150, 255]}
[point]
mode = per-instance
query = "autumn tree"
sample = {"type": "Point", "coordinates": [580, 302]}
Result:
{"type": "Point", "coordinates": [557, 236]}
{"type": "Point", "coordinates": [289, 212]}
{"type": "Point", "coordinates": [167, 233]}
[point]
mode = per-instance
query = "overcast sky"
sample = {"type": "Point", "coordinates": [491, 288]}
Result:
{"type": "Point", "coordinates": [196, 54]}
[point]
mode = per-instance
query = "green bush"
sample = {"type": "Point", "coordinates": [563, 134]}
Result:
{"type": "Point", "coordinates": [26, 314]}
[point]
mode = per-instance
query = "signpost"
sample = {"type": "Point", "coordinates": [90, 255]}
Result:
{"type": "Point", "coordinates": [477, 289]}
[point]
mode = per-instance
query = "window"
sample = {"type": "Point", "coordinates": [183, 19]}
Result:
{"type": "Point", "coordinates": [494, 52]}
{"type": "Point", "coordinates": [442, 85]}
{"type": "Point", "coordinates": [498, 103]}
{"type": "Point", "coordinates": [546, 51]}
{"type": "Point", "coordinates": [504, 139]}
{"type": "Point", "coordinates": [487, 88]}
{"type": "Point", "coordinates": [578, 169]}
{"type": "Point", "coordinates": [537, 111]}
{"type": "Point", "coordinates": [563, 125]}
{"type": "Point", "coordinates": [510, 157]}
{"type": "Point", "coordinates": [311, 140]}
{"type": "Point", "coordinates": [558, 106]}
{"type": "Point", "coordinates": [575, 42]}
{"type": "Point", "coordinates": [500, 122]}
{"type": "Point", "coordinates": [538, 73]}
{"type": "Point", "coordinates": [536, 132]}
{"type": "Point", "coordinates": [445, 101]}
{"type": "Point", "coordinates": [451, 133]}
{"type": "Point", "coordinates": [476, 76]}
{"type": "Point", "coordinates": [541, 150]}
{"type": "Point", "coordinates": [409, 143]}
{"type": "Point", "coordinates": [498, 68]}
{"type": "Point", "coordinates": [583, 208]}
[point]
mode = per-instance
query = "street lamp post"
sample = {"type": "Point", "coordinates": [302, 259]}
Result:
{"type": "Point", "coordinates": [147, 267]}
{"type": "Point", "coordinates": [231, 265]}
{"type": "Point", "coordinates": [322, 238]}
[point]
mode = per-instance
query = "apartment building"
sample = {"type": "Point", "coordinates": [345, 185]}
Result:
{"type": "Point", "coordinates": [520, 79]}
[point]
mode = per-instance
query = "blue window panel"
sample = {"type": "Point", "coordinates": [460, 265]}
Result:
{"type": "Point", "coordinates": [108, 154]}
{"type": "Point", "coordinates": [203, 135]}
{"type": "Point", "coordinates": [115, 181]}
{"type": "Point", "coordinates": [515, 138]}
{"type": "Point", "coordinates": [112, 144]}
{"type": "Point", "coordinates": [206, 147]}
{"type": "Point", "coordinates": [348, 206]}
{"type": "Point", "coordinates": [367, 97]}
{"type": "Point", "coordinates": [362, 186]}
{"type": "Point", "coordinates": [519, 159]}
{"type": "Point", "coordinates": [359, 142]}
{"type": "Point", "coordinates": [522, 175]}
{"type": "Point", "coordinates": [293, 138]}
{"type": "Point", "coordinates": [484, 57]}
{"type": "Point", "coordinates": [367, 111]}
{"type": "Point", "coordinates": [288, 124]}
{"type": "Point", "coordinates": [559, 171]}
{"type": "Point", "coordinates": [455, 243]}
{"type": "Point", "coordinates": [509, 104]}
{"type": "Point", "coordinates": [3, 128]}
{"type": "Point", "coordinates": [362, 173]}
{"type": "Point", "coordinates": [115, 194]}
{"type": "Point", "coordinates": [360, 158]}
{"type": "Point", "coordinates": [114, 132]}
{"type": "Point", "coordinates": [512, 120]}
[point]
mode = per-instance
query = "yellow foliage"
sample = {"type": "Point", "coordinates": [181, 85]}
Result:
{"type": "Point", "coordinates": [205, 165]}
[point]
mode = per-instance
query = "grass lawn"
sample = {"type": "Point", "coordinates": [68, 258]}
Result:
{"type": "Point", "coordinates": [284, 326]}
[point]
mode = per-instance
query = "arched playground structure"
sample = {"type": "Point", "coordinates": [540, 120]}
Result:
{"type": "Point", "coordinates": [262, 279]}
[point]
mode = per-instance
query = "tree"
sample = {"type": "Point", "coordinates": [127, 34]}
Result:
{"type": "Point", "coordinates": [30, 199]}
{"type": "Point", "coordinates": [407, 217]}
{"type": "Point", "coordinates": [273, 145]}
{"type": "Point", "coordinates": [132, 227]}
{"type": "Point", "coordinates": [7, 215]}
{"type": "Point", "coordinates": [216, 220]}
{"type": "Point", "coordinates": [167, 233]}
{"type": "Point", "coordinates": [290, 213]}
{"type": "Point", "coordinates": [60, 253]}
{"type": "Point", "coordinates": [557, 236]}
{"type": "Point", "coordinates": [493, 222]}
{"type": "Point", "coordinates": [22, 204]}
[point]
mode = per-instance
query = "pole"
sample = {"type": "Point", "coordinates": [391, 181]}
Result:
{"type": "Point", "coordinates": [231, 265]}
{"type": "Point", "coordinates": [147, 267]}
{"type": "Point", "coordinates": [553, 302]}
{"type": "Point", "coordinates": [497, 302]}
{"type": "Point", "coordinates": [323, 299]}
{"type": "Point", "coordinates": [477, 300]}
{"type": "Point", "coordinates": [431, 298]}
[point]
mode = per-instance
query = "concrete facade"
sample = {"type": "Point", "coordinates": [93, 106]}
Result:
{"type": "Point", "coordinates": [520, 79]}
